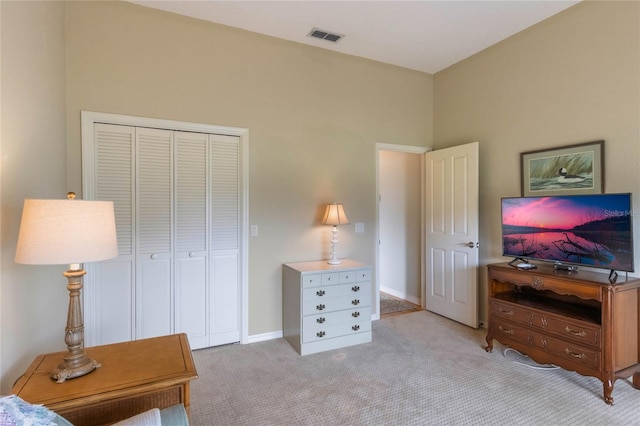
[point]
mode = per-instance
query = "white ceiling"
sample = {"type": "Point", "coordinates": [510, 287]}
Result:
{"type": "Point", "coordinates": [423, 35]}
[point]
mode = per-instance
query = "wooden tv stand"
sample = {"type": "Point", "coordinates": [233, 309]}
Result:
{"type": "Point", "coordinates": [576, 320]}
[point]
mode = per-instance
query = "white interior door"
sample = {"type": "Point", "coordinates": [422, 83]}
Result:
{"type": "Point", "coordinates": [451, 233]}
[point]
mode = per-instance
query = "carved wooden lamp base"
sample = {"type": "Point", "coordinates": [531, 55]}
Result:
{"type": "Point", "coordinates": [67, 370]}
{"type": "Point", "coordinates": [76, 363]}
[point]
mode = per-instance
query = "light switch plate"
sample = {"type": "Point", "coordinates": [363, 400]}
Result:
{"type": "Point", "coordinates": [359, 227]}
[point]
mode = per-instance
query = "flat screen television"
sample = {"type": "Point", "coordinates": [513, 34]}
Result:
{"type": "Point", "coordinates": [575, 230]}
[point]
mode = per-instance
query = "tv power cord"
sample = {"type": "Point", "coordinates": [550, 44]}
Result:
{"type": "Point", "coordinates": [536, 367]}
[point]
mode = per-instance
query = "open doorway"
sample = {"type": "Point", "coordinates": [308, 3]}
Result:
{"type": "Point", "coordinates": [400, 237]}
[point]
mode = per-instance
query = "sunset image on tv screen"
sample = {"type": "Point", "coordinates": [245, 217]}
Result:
{"type": "Point", "coordinates": [591, 230]}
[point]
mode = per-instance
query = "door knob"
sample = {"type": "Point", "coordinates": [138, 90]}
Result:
{"type": "Point", "coordinates": [471, 244]}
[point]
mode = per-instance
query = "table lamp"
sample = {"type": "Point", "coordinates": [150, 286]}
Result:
{"type": "Point", "coordinates": [54, 232]}
{"type": "Point", "coordinates": [334, 215]}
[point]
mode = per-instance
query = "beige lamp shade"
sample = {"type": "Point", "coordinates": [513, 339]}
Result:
{"type": "Point", "coordinates": [66, 231]}
{"type": "Point", "coordinates": [335, 215]}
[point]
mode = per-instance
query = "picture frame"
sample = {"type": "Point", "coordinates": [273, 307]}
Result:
{"type": "Point", "coordinates": [568, 170]}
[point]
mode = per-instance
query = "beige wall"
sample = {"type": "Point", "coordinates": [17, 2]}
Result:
{"type": "Point", "coordinates": [33, 299]}
{"type": "Point", "coordinates": [573, 78]}
{"type": "Point", "coordinates": [314, 118]}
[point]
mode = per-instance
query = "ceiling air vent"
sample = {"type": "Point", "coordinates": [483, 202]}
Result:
{"type": "Point", "coordinates": [325, 35]}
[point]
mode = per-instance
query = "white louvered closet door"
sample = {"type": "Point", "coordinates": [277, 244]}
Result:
{"type": "Point", "coordinates": [154, 224]}
{"type": "Point", "coordinates": [177, 204]}
{"type": "Point", "coordinates": [109, 317]}
{"type": "Point", "coordinates": [191, 230]}
{"type": "Point", "coordinates": [225, 239]}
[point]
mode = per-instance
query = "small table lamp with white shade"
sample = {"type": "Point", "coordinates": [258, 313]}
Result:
{"type": "Point", "coordinates": [335, 215]}
{"type": "Point", "coordinates": [55, 232]}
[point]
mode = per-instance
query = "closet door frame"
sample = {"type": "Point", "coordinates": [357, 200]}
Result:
{"type": "Point", "coordinates": [90, 118]}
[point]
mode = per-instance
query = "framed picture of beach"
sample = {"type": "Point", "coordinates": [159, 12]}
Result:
{"type": "Point", "coordinates": [568, 170]}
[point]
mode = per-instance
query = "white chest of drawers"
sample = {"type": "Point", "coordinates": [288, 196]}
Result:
{"type": "Point", "coordinates": [326, 306]}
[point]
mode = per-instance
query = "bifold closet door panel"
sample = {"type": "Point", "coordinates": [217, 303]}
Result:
{"type": "Point", "coordinates": [154, 239]}
{"type": "Point", "coordinates": [110, 301]}
{"type": "Point", "coordinates": [225, 239]}
{"type": "Point", "coordinates": [191, 236]}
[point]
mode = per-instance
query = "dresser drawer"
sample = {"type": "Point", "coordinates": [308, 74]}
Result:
{"type": "Point", "coordinates": [315, 306]}
{"type": "Point", "coordinates": [364, 275]}
{"type": "Point", "coordinates": [511, 331]}
{"type": "Point", "coordinates": [328, 292]}
{"type": "Point", "coordinates": [575, 354]}
{"type": "Point", "coordinates": [328, 332]}
{"type": "Point", "coordinates": [334, 318]}
{"type": "Point", "coordinates": [348, 277]}
{"type": "Point", "coordinates": [331, 279]}
{"type": "Point", "coordinates": [510, 311]}
{"type": "Point", "coordinates": [311, 280]}
{"type": "Point", "coordinates": [579, 331]}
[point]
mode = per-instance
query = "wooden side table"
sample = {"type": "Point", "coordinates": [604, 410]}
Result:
{"type": "Point", "coordinates": [134, 377]}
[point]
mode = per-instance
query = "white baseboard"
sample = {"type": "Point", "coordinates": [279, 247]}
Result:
{"type": "Point", "coordinates": [401, 295]}
{"type": "Point", "coordinates": [264, 336]}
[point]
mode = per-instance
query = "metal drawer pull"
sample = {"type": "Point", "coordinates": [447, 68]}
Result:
{"type": "Point", "coordinates": [355, 327]}
{"type": "Point", "coordinates": [346, 277]}
{"type": "Point", "coordinates": [320, 307]}
{"type": "Point", "coordinates": [505, 330]}
{"type": "Point", "coordinates": [503, 312]}
{"type": "Point", "coordinates": [355, 302]}
{"type": "Point", "coordinates": [321, 320]}
{"type": "Point", "coordinates": [320, 333]}
{"type": "Point", "coordinates": [355, 288]}
{"type": "Point", "coordinates": [575, 355]}
{"type": "Point", "coordinates": [320, 293]}
{"type": "Point", "coordinates": [355, 314]}
{"type": "Point", "coordinates": [575, 333]}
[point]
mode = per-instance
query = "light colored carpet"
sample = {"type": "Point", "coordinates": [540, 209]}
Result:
{"type": "Point", "coordinates": [420, 369]}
